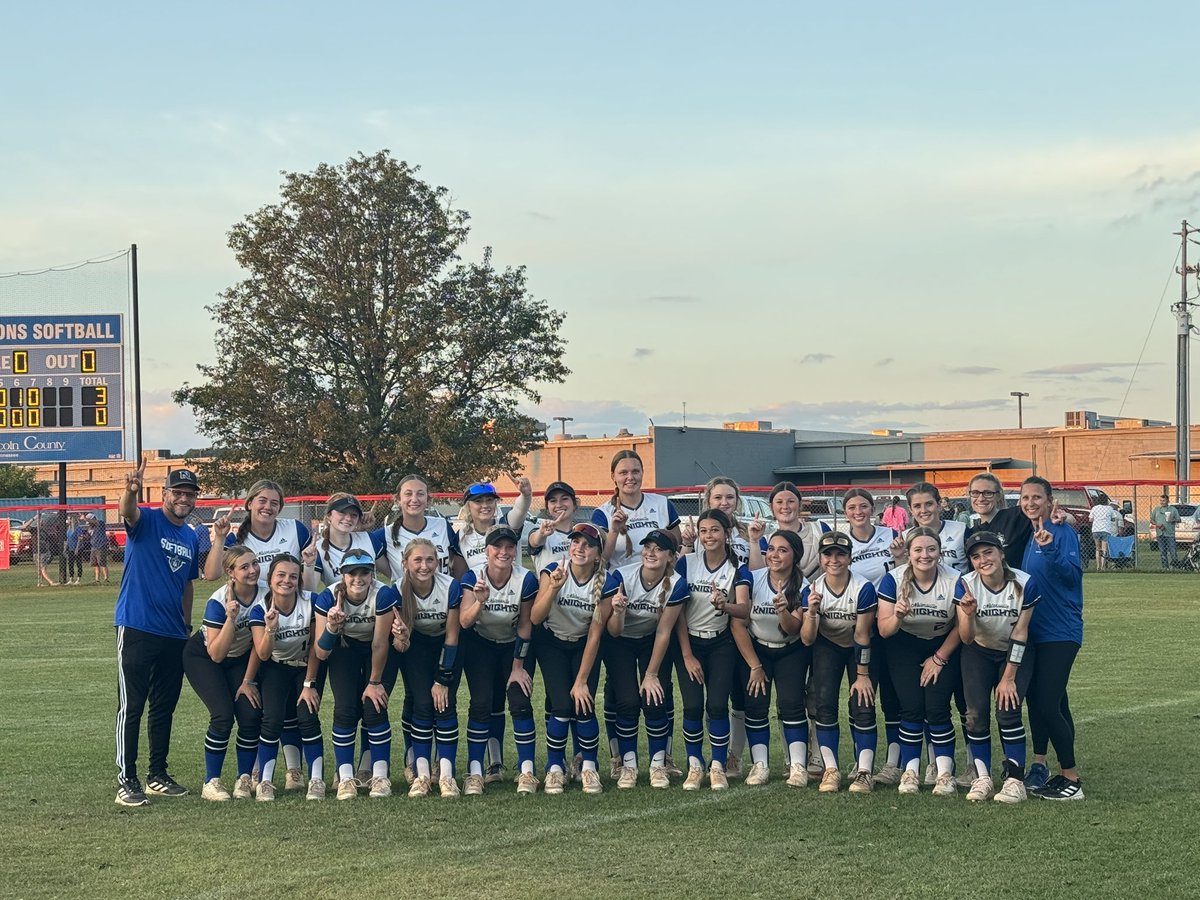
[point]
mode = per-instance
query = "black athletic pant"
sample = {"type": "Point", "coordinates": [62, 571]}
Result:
{"type": "Point", "coordinates": [982, 670]}
{"type": "Point", "coordinates": [74, 564]}
{"type": "Point", "coordinates": [418, 665]}
{"type": "Point", "coordinates": [216, 684]}
{"type": "Point", "coordinates": [487, 666]}
{"type": "Point", "coordinates": [718, 658]}
{"type": "Point", "coordinates": [280, 686]}
{"type": "Point", "coordinates": [786, 669]}
{"type": "Point", "coordinates": [349, 671]}
{"type": "Point", "coordinates": [1049, 712]}
{"type": "Point", "coordinates": [149, 667]}
{"type": "Point", "coordinates": [831, 664]}
{"type": "Point", "coordinates": [560, 661]}
{"type": "Point", "coordinates": [905, 657]}
{"type": "Point", "coordinates": [625, 662]}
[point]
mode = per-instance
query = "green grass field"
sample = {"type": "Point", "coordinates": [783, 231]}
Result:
{"type": "Point", "coordinates": [1134, 694]}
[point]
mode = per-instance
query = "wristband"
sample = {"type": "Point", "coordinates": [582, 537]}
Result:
{"type": "Point", "coordinates": [449, 655]}
{"type": "Point", "coordinates": [520, 648]}
{"type": "Point", "coordinates": [311, 684]}
{"type": "Point", "coordinates": [1016, 652]}
{"type": "Point", "coordinates": [328, 640]}
{"type": "Point", "coordinates": [862, 654]}
{"type": "Point", "coordinates": [443, 676]}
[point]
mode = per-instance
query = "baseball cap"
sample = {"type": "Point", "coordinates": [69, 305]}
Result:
{"type": "Point", "coordinates": [498, 533]}
{"type": "Point", "coordinates": [834, 540]}
{"type": "Point", "coordinates": [344, 504]}
{"type": "Point", "coordinates": [480, 490]}
{"type": "Point", "coordinates": [660, 538]}
{"type": "Point", "coordinates": [183, 478]}
{"type": "Point", "coordinates": [983, 538]}
{"type": "Point", "coordinates": [556, 486]}
{"type": "Point", "coordinates": [589, 533]}
{"type": "Point", "coordinates": [356, 559]}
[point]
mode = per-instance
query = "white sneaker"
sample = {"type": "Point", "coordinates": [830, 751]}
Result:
{"type": "Point", "coordinates": [294, 780]}
{"type": "Point", "coordinates": [967, 777]}
{"type": "Point", "coordinates": [1013, 791]}
{"type": "Point", "coordinates": [591, 781]}
{"type": "Point", "coordinates": [554, 782]}
{"type": "Point", "coordinates": [758, 774]}
{"type": "Point", "coordinates": [798, 775]}
{"type": "Point", "coordinates": [527, 783]}
{"type": "Point", "coordinates": [931, 773]}
{"type": "Point", "coordinates": [627, 778]}
{"type": "Point", "coordinates": [316, 789]}
{"type": "Point", "coordinates": [862, 783]}
{"type": "Point", "coordinates": [448, 788]}
{"type": "Point", "coordinates": [265, 792]}
{"type": "Point", "coordinates": [982, 788]}
{"type": "Point", "coordinates": [347, 789]}
{"type": "Point", "coordinates": [419, 787]}
{"type": "Point", "coordinates": [733, 766]}
{"type": "Point", "coordinates": [614, 767]}
{"type": "Point", "coordinates": [381, 786]}
{"type": "Point", "coordinates": [889, 775]}
{"type": "Point", "coordinates": [909, 782]}
{"type": "Point", "coordinates": [215, 791]}
{"type": "Point", "coordinates": [945, 786]}
{"type": "Point", "coordinates": [717, 779]}
{"type": "Point", "coordinates": [831, 780]}
{"type": "Point", "coordinates": [659, 777]}
{"type": "Point", "coordinates": [473, 785]}
{"type": "Point", "coordinates": [243, 788]}
{"type": "Point", "coordinates": [695, 778]}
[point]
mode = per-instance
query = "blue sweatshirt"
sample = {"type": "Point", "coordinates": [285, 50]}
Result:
{"type": "Point", "coordinates": [1059, 615]}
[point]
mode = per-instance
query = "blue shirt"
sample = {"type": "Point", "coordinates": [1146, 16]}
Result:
{"type": "Point", "coordinates": [160, 562]}
{"type": "Point", "coordinates": [1059, 615]}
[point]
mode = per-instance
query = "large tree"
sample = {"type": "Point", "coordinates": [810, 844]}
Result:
{"type": "Point", "coordinates": [360, 347]}
{"type": "Point", "coordinates": [20, 481]}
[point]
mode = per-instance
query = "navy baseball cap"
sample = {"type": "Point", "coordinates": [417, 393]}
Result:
{"type": "Point", "coordinates": [356, 559]}
{"type": "Point", "coordinates": [344, 504]}
{"type": "Point", "coordinates": [589, 532]}
{"type": "Point", "coordinates": [660, 538]}
{"type": "Point", "coordinates": [983, 538]}
{"type": "Point", "coordinates": [559, 487]}
{"type": "Point", "coordinates": [183, 478]}
{"type": "Point", "coordinates": [835, 540]}
{"type": "Point", "coordinates": [498, 533]}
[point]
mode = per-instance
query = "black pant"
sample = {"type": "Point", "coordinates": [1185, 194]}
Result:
{"type": "Point", "coordinates": [418, 665]}
{"type": "Point", "coordinates": [625, 663]}
{"type": "Point", "coordinates": [487, 666]}
{"type": "Point", "coordinates": [982, 670]}
{"type": "Point", "coordinates": [560, 661]}
{"type": "Point", "coordinates": [889, 700]}
{"type": "Point", "coordinates": [786, 669]}
{"type": "Point", "coordinates": [149, 666]}
{"type": "Point", "coordinates": [349, 671]}
{"type": "Point", "coordinates": [1049, 712]}
{"type": "Point", "coordinates": [216, 684]}
{"type": "Point", "coordinates": [718, 658]}
{"type": "Point", "coordinates": [75, 563]}
{"type": "Point", "coordinates": [280, 687]}
{"type": "Point", "coordinates": [830, 664]}
{"type": "Point", "coordinates": [905, 657]}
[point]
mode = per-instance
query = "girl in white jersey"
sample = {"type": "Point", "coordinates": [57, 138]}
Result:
{"type": "Point", "coordinates": [430, 663]}
{"type": "Point", "coordinates": [354, 631]}
{"type": "Point", "coordinates": [772, 653]}
{"type": "Point", "coordinates": [282, 623]}
{"type": "Point", "coordinates": [494, 616]}
{"type": "Point", "coordinates": [339, 535]}
{"type": "Point", "coordinates": [569, 616]}
{"type": "Point", "coordinates": [262, 530]}
{"type": "Point", "coordinates": [628, 516]}
{"type": "Point", "coordinates": [874, 551]}
{"type": "Point", "coordinates": [223, 672]}
{"type": "Point", "coordinates": [550, 540]}
{"type": "Point", "coordinates": [839, 617]}
{"type": "Point", "coordinates": [479, 513]}
{"type": "Point", "coordinates": [917, 621]}
{"type": "Point", "coordinates": [995, 604]}
{"type": "Point", "coordinates": [641, 594]}
{"type": "Point", "coordinates": [707, 652]}
{"type": "Point", "coordinates": [788, 507]}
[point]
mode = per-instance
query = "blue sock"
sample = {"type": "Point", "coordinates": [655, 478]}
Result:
{"type": "Point", "coordinates": [343, 746]}
{"type": "Point", "coordinates": [612, 726]}
{"type": "Point", "coordinates": [313, 750]}
{"type": "Point", "coordinates": [979, 747]}
{"type": "Point", "coordinates": [758, 732]}
{"type": "Point", "coordinates": [422, 739]}
{"type": "Point", "coordinates": [447, 740]}
{"type": "Point", "coordinates": [1012, 742]}
{"type": "Point", "coordinates": [627, 735]}
{"type": "Point", "coordinates": [290, 736]}
{"type": "Point", "coordinates": [718, 737]}
{"type": "Point", "coordinates": [525, 737]}
{"type": "Point", "coordinates": [380, 736]}
{"type": "Point", "coordinates": [828, 736]}
{"type": "Point", "coordinates": [793, 732]}
{"type": "Point", "coordinates": [267, 753]}
{"type": "Point", "coordinates": [942, 737]}
{"type": "Point", "coordinates": [406, 720]}
{"type": "Point", "coordinates": [656, 736]}
{"type": "Point", "coordinates": [911, 735]}
{"type": "Point", "coordinates": [477, 740]}
{"type": "Point", "coordinates": [693, 739]}
{"type": "Point", "coordinates": [215, 747]}
{"type": "Point", "coordinates": [891, 730]}
{"type": "Point", "coordinates": [588, 730]}
{"type": "Point", "coordinates": [556, 742]}
{"type": "Point", "coordinates": [864, 739]}
{"type": "Point", "coordinates": [246, 752]}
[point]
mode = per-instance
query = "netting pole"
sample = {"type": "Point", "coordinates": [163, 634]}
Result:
{"type": "Point", "coordinates": [137, 355]}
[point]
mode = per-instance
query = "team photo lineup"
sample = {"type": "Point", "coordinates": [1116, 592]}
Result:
{"type": "Point", "coordinates": [921, 623]}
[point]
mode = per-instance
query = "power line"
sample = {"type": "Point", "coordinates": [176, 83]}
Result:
{"type": "Point", "coordinates": [69, 266]}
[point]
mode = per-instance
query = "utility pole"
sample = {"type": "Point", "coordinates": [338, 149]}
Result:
{"type": "Point", "coordinates": [1020, 416]}
{"type": "Point", "coordinates": [1183, 334]}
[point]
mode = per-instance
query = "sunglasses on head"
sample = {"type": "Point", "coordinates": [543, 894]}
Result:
{"type": "Point", "coordinates": [587, 529]}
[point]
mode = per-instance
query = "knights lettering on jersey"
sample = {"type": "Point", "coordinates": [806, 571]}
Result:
{"type": "Point", "coordinates": [553, 550]}
{"type": "Point", "coordinates": [871, 559]}
{"type": "Point", "coordinates": [764, 621]}
{"type": "Point", "coordinates": [702, 581]}
{"type": "Point", "coordinates": [434, 609]}
{"type": "Point", "coordinates": [572, 611]}
{"type": "Point", "coordinates": [996, 612]}
{"type": "Point", "coordinates": [840, 611]}
{"type": "Point", "coordinates": [360, 617]}
{"type": "Point", "coordinates": [215, 617]}
{"type": "Point", "coordinates": [931, 612]}
{"type": "Point", "coordinates": [501, 610]}
{"type": "Point", "coordinates": [644, 604]}
{"type": "Point", "coordinates": [293, 631]}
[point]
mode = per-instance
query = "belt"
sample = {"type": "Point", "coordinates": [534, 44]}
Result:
{"type": "Point", "coordinates": [774, 645]}
{"type": "Point", "coordinates": [294, 663]}
{"type": "Point", "coordinates": [705, 635]}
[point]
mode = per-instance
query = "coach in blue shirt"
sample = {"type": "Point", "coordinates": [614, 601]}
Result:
{"type": "Point", "coordinates": [153, 618]}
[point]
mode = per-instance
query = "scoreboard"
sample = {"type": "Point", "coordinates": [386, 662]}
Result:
{"type": "Point", "coordinates": [62, 393]}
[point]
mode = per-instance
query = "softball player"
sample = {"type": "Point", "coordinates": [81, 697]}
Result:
{"type": "Point", "coordinates": [839, 617]}
{"type": "Point", "coordinates": [640, 595]}
{"type": "Point", "coordinates": [788, 507]}
{"type": "Point", "coordinates": [569, 617]}
{"type": "Point", "coordinates": [772, 652]}
{"type": "Point", "coordinates": [262, 530]}
{"type": "Point", "coordinates": [290, 676]}
{"type": "Point", "coordinates": [426, 637]}
{"type": "Point", "coordinates": [707, 653]}
{"type": "Point", "coordinates": [339, 535]}
{"type": "Point", "coordinates": [995, 604]}
{"type": "Point", "coordinates": [353, 632]}
{"type": "Point", "coordinates": [223, 672]}
{"type": "Point", "coordinates": [494, 616]}
{"type": "Point", "coordinates": [550, 541]}
{"type": "Point", "coordinates": [479, 513]}
{"type": "Point", "coordinates": [916, 615]}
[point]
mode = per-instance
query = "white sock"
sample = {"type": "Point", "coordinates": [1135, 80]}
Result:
{"type": "Point", "coordinates": [557, 768]}
{"type": "Point", "coordinates": [474, 768]}
{"type": "Point", "coordinates": [828, 758]}
{"type": "Point", "coordinates": [589, 766]}
{"type": "Point", "coordinates": [913, 765]}
{"type": "Point", "coordinates": [866, 760]}
{"type": "Point", "coordinates": [695, 761]}
{"type": "Point", "coordinates": [318, 769]}
{"type": "Point", "coordinates": [737, 732]}
{"type": "Point", "coordinates": [527, 767]}
{"type": "Point", "coordinates": [422, 767]}
{"type": "Point", "coordinates": [758, 753]}
{"type": "Point", "coordinates": [659, 758]}
{"type": "Point", "coordinates": [379, 769]}
{"type": "Point", "coordinates": [345, 772]}
{"type": "Point", "coordinates": [945, 765]}
{"type": "Point", "coordinates": [268, 771]}
{"type": "Point", "coordinates": [291, 756]}
{"type": "Point", "coordinates": [446, 768]}
{"type": "Point", "coordinates": [893, 757]}
{"type": "Point", "coordinates": [980, 769]}
{"type": "Point", "coordinates": [410, 756]}
{"type": "Point", "coordinates": [796, 752]}
{"type": "Point", "coordinates": [630, 760]}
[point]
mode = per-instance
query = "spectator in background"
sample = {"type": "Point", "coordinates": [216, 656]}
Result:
{"type": "Point", "coordinates": [76, 540]}
{"type": "Point", "coordinates": [895, 517]}
{"type": "Point", "coordinates": [98, 544]}
{"type": "Point", "coordinates": [1165, 517]}
{"type": "Point", "coordinates": [49, 543]}
{"type": "Point", "coordinates": [946, 511]}
{"type": "Point", "coordinates": [1105, 522]}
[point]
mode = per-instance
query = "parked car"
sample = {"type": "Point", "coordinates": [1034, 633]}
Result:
{"type": "Point", "coordinates": [14, 534]}
{"type": "Point", "coordinates": [1185, 529]}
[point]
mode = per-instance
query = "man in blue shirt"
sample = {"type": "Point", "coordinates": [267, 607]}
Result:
{"type": "Point", "coordinates": [153, 619]}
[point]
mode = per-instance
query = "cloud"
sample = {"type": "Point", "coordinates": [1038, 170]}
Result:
{"type": "Point", "coordinates": [592, 417]}
{"type": "Point", "coordinates": [974, 370]}
{"type": "Point", "coordinates": [816, 358]}
{"type": "Point", "coordinates": [1070, 370]}
{"type": "Point", "coordinates": [168, 426]}
{"type": "Point", "coordinates": [886, 361]}
{"type": "Point", "coordinates": [642, 352]}
{"type": "Point", "coordinates": [540, 216]}
{"type": "Point", "coordinates": [672, 298]}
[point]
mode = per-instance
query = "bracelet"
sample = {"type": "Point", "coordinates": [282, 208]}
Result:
{"type": "Point", "coordinates": [374, 683]}
{"type": "Point", "coordinates": [938, 661]}
{"type": "Point", "coordinates": [250, 683]}
{"type": "Point", "coordinates": [863, 674]}
{"type": "Point", "coordinates": [754, 668]}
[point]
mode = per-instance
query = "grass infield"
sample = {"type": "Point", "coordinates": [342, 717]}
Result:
{"type": "Point", "coordinates": [1133, 692]}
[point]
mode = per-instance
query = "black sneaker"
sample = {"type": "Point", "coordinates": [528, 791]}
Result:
{"type": "Point", "coordinates": [1060, 788]}
{"type": "Point", "coordinates": [130, 793]}
{"type": "Point", "coordinates": [164, 786]}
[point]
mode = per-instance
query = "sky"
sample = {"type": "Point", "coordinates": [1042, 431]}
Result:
{"type": "Point", "coordinates": [829, 218]}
